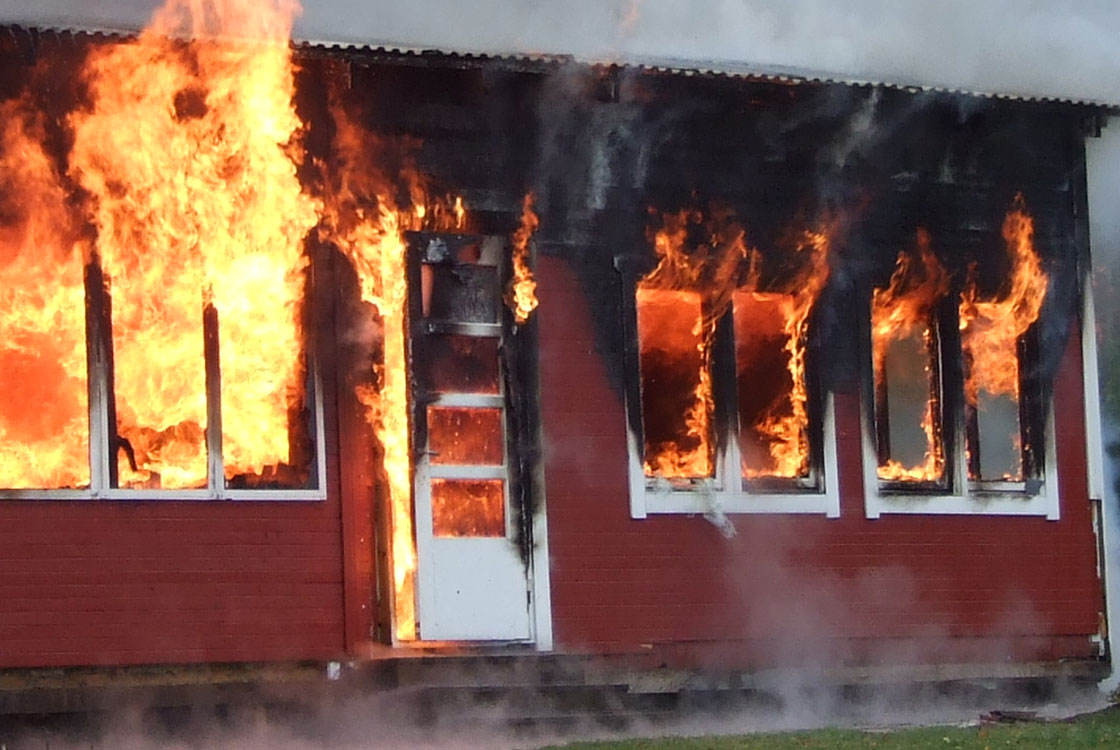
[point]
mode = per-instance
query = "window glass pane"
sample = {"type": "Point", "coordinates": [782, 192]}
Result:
{"type": "Point", "coordinates": [907, 374]}
{"type": "Point", "coordinates": [44, 416]}
{"type": "Point", "coordinates": [458, 364]}
{"type": "Point", "coordinates": [676, 386]}
{"type": "Point", "coordinates": [906, 406]}
{"type": "Point", "coordinates": [770, 381]}
{"type": "Point", "coordinates": [468, 508]}
{"type": "Point", "coordinates": [465, 436]}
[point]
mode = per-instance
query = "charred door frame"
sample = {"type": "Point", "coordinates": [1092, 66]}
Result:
{"type": "Point", "coordinates": [727, 492]}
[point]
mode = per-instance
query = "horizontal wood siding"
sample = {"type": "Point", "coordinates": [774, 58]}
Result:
{"type": "Point", "coordinates": [795, 588]}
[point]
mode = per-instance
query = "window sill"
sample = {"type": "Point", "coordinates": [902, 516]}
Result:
{"type": "Point", "coordinates": [166, 495]}
{"type": "Point", "coordinates": [1006, 499]}
{"type": "Point", "coordinates": [648, 500]}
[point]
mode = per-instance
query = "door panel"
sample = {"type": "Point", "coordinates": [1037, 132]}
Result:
{"type": "Point", "coordinates": [472, 580]}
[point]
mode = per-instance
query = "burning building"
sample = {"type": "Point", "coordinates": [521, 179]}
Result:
{"type": "Point", "coordinates": [299, 339]}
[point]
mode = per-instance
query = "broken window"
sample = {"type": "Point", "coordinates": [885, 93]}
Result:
{"type": "Point", "coordinates": [957, 408]}
{"type": "Point", "coordinates": [725, 396]}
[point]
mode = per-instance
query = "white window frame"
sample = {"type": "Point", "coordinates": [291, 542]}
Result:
{"type": "Point", "coordinates": [100, 454]}
{"type": "Point", "coordinates": [964, 497]}
{"type": "Point", "coordinates": [725, 493]}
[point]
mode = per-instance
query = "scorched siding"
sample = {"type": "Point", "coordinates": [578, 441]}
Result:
{"type": "Point", "coordinates": [785, 588]}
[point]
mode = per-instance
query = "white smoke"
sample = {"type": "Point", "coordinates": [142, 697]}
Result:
{"type": "Point", "coordinates": [1056, 48]}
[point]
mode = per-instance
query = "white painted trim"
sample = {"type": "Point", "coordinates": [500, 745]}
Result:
{"type": "Point", "coordinates": [467, 472]}
{"type": "Point", "coordinates": [1094, 432]}
{"type": "Point", "coordinates": [728, 495]}
{"type": "Point", "coordinates": [540, 581]}
{"type": "Point", "coordinates": [215, 491]}
{"type": "Point", "coordinates": [970, 501]}
{"type": "Point", "coordinates": [470, 401]}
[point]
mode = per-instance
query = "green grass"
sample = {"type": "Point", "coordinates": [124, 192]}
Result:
{"type": "Point", "coordinates": [1097, 731]}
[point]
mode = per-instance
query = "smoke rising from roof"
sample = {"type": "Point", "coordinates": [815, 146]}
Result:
{"type": "Point", "coordinates": [1057, 48]}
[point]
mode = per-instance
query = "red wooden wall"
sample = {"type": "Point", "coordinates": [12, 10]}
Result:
{"type": "Point", "coordinates": [795, 588]}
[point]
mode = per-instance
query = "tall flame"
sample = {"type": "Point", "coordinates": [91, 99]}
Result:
{"type": "Point", "coordinates": [521, 296]}
{"type": "Point", "coordinates": [44, 418]}
{"type": "Point", "coordinates": [187, 151]}
{"type": "Point", "coordinates": [362, 219]}
{"type": "Point", "coordinates": [901, 311]}
{"type": "Point", "coordinates": [786, 424]}
{"type": "Point", "coordinates": [991, 328]}
{"type": "Point", "coordinates": [363, 222]}
{"type": "Point", "coordinates": [679, 305]}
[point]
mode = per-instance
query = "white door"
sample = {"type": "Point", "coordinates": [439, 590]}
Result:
{"type": "Point", "coordinates": [472, 573]}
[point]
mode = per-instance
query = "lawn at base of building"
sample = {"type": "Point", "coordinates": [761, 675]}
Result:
{"type": "Point", "coordinates": [1098, 730]}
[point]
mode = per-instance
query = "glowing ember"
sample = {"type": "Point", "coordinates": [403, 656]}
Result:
{"type": "Point", "coordinates": [521, 297]}
{"type": "Point", "coordinates": [186, 152]}
{"type": "Point", "coordinates": [990, 334]}
{"type": "Point", "coordinates": [44, 417]}
{"type": "Point", "coordinates": [901, 313]}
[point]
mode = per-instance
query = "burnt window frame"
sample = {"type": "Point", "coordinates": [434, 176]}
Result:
{"type": "Point", "coordinates": [728, 491]}
{"type": "Point", "coordinates": [1037, 494]}
{"type": "Point", "coordinates": [104, 447]}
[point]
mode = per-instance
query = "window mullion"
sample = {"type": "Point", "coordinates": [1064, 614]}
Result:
{"type": "Point", "coordinates": [98, 342]}
{"type": "Point", "coordinates": [215, 467]}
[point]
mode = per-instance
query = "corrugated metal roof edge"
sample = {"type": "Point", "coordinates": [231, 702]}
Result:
{"type": "Point", "coordinates": [539, 62]}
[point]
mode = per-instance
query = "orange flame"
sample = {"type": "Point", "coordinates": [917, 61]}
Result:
{"type": "Point", "coordinates": [786, 424]}
{"type": "Point", "coordinates": [44, 417]}
{"type": "Point", "coordinates": [521, 296]}
{"type": "Point", "coordinates": [187, 152]}
{"type": "Point", "coordinates": [698, 286]}
{"type": "Point", "coordinates": [991, 329]}
{"type": "Point", "coordinates": [367, 227]}
{"type": "Point", "coordinates": [899, 312]}
{"type": "Point", "coordinates": [363, 221]}
{"type": "Point", "coordinates": [692, 286]}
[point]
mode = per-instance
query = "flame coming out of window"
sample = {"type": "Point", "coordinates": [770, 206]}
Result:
{"type": "Point", "coordinates": [186, 150]}
{"type": "Point", "coordinates": [902, 324]}
{"type": "Point", "coordinates": [521, 296]}
{"type": "Point", "coordinates": [43, 413]}
{"type": "Point", "coordinates": [679, 307]}
{"type": "Point", "coordinates": [784, 424]}
{"type": "Point", "coordinates": [679, 304]}
{"type": "Point", "coordinates": [990, 333]}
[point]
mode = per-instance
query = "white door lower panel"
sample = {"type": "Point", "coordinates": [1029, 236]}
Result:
{"type": "Point", "coordinates": [473, 589]}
